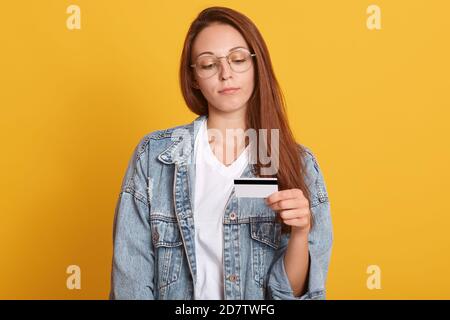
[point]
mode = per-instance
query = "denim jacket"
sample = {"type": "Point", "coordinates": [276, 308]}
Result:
{"type": "Point", "coordinates": [153, 233]}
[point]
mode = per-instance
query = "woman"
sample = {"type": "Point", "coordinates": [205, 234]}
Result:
{"type": "Point", "coordinates": [180, 230]}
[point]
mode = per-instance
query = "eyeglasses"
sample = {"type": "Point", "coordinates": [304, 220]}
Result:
{"type": "Point", "coordinates": [239, 60]}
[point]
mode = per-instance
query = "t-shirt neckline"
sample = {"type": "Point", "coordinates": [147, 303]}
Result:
{"type": "Point", "coordinates": [214, 161]}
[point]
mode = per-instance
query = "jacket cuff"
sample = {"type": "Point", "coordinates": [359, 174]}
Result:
{"type": "Point", "coordinates": [280, 289]}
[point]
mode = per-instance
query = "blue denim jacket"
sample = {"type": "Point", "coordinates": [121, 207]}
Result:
{"type": "Point", "coordinates": [153, 236]}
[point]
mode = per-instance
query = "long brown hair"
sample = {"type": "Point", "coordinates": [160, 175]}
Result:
{"type": "Point", "coordinates": [266, 106]}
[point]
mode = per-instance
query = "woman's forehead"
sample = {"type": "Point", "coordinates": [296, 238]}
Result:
{"type": "Point", "coordinates": [218, 40]}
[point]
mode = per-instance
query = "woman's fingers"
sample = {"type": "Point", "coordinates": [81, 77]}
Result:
{"type": "Point", "coordinates": [283, 195]}
{"type": "Point", "coordinates": [286, 204]}
{"type": "Point", "coordinates": [294, 214]}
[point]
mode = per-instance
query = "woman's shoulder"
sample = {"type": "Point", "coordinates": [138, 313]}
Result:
{"type": "Point", "coordinates": [309, 158]}
{"type": "Point", "coordinates": [314, 177]}
{"type": "Point", "coordinates": [166, 133]}
{"type": "Point", "coordinates": [172, 133]}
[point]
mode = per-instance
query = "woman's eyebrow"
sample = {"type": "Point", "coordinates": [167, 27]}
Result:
{"type": "Point", "coordinates": [209, 52]}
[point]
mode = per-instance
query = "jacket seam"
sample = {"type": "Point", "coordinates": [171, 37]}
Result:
{"type": "Point", "coordinates": [133, 192]}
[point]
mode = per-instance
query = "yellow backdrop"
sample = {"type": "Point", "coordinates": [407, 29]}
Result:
{"type": "Point", "coordinates": [373, 104]}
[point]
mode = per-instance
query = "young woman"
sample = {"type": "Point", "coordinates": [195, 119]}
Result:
{"type": "Point", "coordinates": [180, 231]}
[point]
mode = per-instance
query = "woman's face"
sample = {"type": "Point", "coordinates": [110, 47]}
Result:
{"type": "Point", "coordinates": [219, 39]}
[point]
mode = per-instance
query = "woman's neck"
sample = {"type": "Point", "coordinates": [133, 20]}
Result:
{"type": "Point", "coordinates": [230, 128]}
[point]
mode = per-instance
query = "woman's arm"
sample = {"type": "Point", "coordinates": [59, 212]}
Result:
{"type": "Point", "coordinates": [300, 267]}
{"type": "Point", "coordinates": [296, 261]}
{"type": "Point", "coordinates": [133, 255]}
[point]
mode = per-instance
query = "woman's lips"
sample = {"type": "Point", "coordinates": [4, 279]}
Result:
{"type": "Point", "coordinates": [229, 91]}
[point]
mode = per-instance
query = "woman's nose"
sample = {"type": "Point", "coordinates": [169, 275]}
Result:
{"type": "Point", "coordinates": [225, 71]}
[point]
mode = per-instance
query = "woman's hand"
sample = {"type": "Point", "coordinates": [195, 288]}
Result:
{"type": "Point", "coordinates": [293, 208]}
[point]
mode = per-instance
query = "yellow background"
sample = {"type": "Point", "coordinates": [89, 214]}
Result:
{"type": "Point", "coordinates": [372, 105]}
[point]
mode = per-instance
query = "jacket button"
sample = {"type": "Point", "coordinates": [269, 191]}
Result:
{"type": "Point", "coordinates": [232, 278]}
{"type": "Point", "coordinates": [232, 216]}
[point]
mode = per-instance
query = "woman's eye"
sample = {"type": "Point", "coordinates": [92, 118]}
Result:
{"type": "Point", "coordinates": [239, 61]}
{"type": "Point", "coordinates": [209, 66]}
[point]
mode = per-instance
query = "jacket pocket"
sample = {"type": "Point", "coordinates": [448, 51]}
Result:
{"type": "Point", "coordinates": [266, 237]}
{"type": "Point", "coordinates": [166, 238]}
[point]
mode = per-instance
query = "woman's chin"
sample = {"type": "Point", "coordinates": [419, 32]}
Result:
{"type": "Point", "coordinates": [229, 108]}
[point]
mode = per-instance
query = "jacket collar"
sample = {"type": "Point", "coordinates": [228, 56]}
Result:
{"type": "Point", "coordinates": [182, 146]}
{"type": "Point", "coordinates": [181, 149]}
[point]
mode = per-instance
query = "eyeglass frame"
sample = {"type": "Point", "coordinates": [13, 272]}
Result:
{"type": "Point", "coordinates": [227, 56]}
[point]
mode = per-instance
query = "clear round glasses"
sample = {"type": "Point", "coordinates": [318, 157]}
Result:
{"type": "Point", "coordinates": [207, 65]}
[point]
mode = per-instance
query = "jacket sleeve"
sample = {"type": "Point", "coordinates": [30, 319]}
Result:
{"type": "Point", "coordinates": [133, 253]}
{"type": "Point", "coordinates": [320, 241]}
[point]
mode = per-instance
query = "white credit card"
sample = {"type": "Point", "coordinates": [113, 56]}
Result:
{"type": "Point", "coordinates": [255, 187]}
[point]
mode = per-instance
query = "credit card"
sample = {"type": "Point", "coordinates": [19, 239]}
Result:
{"type": "Point", "coordinates": [255, 187]}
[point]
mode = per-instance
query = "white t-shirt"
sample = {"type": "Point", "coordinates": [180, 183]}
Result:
{"type": "Point", "coordinates": [213, 185]}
